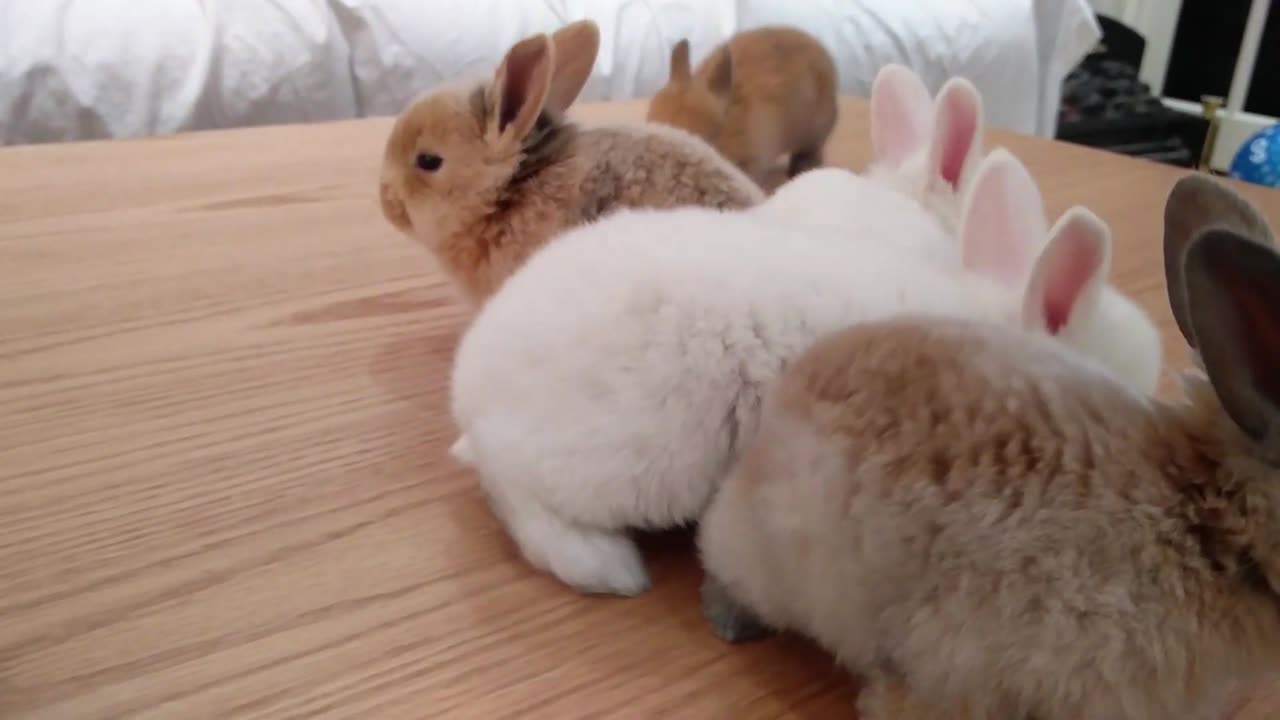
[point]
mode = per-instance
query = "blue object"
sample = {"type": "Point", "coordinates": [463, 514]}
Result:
{"type": "Point", "coordinates": [1258, 160]}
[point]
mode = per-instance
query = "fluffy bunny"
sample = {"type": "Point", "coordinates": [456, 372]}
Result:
{"type": "Point", "coordinates": [767, 92]}
{"type": "Point", "coordinates": [1103, 322]}
{"type": "Point", "coordinates": [608, 385]}
{"type": "Point", "coordinates": [927, 148]}
{"type": "Point", "coordinates": [927, 152]}
{"type": "Point", "coordinates": [484, 176]}
{"type": "Point", "coordinates": [990, 527]}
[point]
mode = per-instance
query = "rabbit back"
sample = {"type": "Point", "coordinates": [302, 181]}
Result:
{"type": "Point", "coordinates": [989, 524]}
{"type": "Point", "coordinates": [613, 378]}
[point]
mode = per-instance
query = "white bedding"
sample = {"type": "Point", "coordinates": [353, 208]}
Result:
{"type": "Point", "coordinates": [117, 68]}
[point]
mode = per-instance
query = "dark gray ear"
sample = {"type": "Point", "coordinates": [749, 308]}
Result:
{"type": "Point", "coordinates": [681, 71]}
{"type": "Point", "coordinates": [1233, 309]}
{"type": "Point", "coordinates": [1195, 204]}
{"type": "Point", "coordinates": [720, 73]}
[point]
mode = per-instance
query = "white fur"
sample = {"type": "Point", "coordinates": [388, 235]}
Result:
{"type": "Point", "coordinates": [1108, 326]}
{"type": "Point", "coordinates": [461, 451]}
{"type": "Point", "coordinates": [608, 384]}
{"type": "Point", "coordinates": [832, 199]}
{"type": "Point", "coordinates": [908, 138]}
{"type": "Point", "coordinates": [911, 133]}
{"type": "Point", "coordinates": [914, 180]}
{"type": "Point", "coordinates": [1123, 338]}
{"type": "Point", "coordinates": [605, 387]}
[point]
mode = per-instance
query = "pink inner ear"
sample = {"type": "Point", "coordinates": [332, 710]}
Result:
{"type": "Point", "coordinates": [900, 115]}
{"type": "Point", "coordinates": [1002, 221]}
{"type": "Point", "coordinates": [522, 65]}
{"type": "Point", "coordinates": [513, 94]}
{"type": "Point", "coordinates": [959, 128]}
{"type": "Point", "coordinates": [1074, 266]}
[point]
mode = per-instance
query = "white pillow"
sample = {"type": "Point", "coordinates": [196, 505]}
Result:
{"type": "Point", "coordinates": [117, 68]}
{"type": "Point", "coordinates": [402, 48]}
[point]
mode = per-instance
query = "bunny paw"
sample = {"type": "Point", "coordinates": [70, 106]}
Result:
{"type": "Point", "coordinates": [729, 621]}
{"type": "Point", "coordinates": [592, 560]}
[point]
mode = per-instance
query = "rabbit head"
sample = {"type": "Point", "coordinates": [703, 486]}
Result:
{"type": "Point", "coordinates": [926, 148]}
{"type": "Point", "coordinates": [1061, 271]}
{"type": "Point", "coordinates": [459, 154]}
{"type": "Point", "coordinates": [1067, 295]}
{"type": "Point", "coordinates": [697, 104]}
{"type": "Point", "coordinates": [1222, 271]}
{"type": "Point", "coordinates": [1217, 245]}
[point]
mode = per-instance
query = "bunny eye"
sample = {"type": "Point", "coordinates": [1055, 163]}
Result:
{"type": "Point", "coordinates": [428, 162]}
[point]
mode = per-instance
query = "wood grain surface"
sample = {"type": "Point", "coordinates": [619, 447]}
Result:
{"type": "Point", "coordinates": [223, 483]}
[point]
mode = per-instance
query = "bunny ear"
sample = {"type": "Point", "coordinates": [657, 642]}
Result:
{"type": "Point", "coordinates": [520, 87]}
{"type": "Point", "coordinates": [1069, 273]}
{"type": "Point", "coordinates": [957, 130]}
{"type": "Point", "coordinates": [1233, 293]}
{"type": "Point", "coordinates": [576, 46]}
{"type": "Point", "coordinates": [680, 68]}
{"type": "Point", "coordinates": [901, 112]}
{"type": "Point", "coordinates": [1195, 204]}
{"type": "Point", "coordinates": [1002, 219]}
{"type": "Point", "coordinates": [720, 72]}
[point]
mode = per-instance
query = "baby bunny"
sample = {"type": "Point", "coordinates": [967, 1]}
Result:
{"type": "Point", "coordinates": [765, 93]}
{"type": "Point", "coordinates": [989, 527]}
{"type": "Point", "coordinates": [927, 148]}
{"type": "Point", "coordinates": [1102, 322]}
{"type": "Point", "coordinates": [609, 384]}
{"type": "Point", "coordinates": [483, 177]}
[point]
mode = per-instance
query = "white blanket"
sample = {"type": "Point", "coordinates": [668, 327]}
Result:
{"type": "Point", "coordinates": [117, 68]}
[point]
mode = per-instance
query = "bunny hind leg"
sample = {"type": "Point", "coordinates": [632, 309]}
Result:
{"type": "Point", "coordinates": [593, 561]}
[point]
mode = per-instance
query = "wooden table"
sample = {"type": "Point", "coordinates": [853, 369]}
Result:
{"type": "Point", "coordinates": [223, 486]}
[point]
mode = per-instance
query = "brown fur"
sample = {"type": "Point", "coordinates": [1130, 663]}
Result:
{"type": "Point", "coordinates": [765, 93]}
{"type": "Point", "coordinates": [988, 527]}
{"type": "Point", "coordinates": [515, 172]}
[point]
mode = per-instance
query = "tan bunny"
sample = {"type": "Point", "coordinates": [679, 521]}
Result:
{"type": "Point", "coordinates": [765, 93]}
{"type": "Point", "coordinates": [484, 176]}
{"type": "Point", "coordinates": [987, 526]}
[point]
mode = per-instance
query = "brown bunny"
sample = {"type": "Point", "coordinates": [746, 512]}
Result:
{"type": "Point", "coordinates": [990, 527]}
{"type": "Point", "coordinates": [485, 176]}
{"type": "Point", "coordinates": [765, 93]}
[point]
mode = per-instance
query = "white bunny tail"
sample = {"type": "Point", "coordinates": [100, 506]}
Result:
{"type": "Point", "coordinates": [591, 560]}
{"type": "Point", "coordinates": [460, 450]}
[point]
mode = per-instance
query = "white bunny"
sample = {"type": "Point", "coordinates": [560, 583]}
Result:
{"type": "Point", "coordinates": [1105, 324]}
{"type": "Point", "coordinates": [926, 149]}
{"type": "Point", "coordinates": [609, 383]}
{"type": "Point", "coordinates": [929, 150]}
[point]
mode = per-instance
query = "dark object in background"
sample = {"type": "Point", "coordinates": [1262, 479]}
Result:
{"type": "Point", "coordinates": [1121, 42]}
{"type": "Point", "coordinates": [1202, 58]}
{"type": "Point", "coordinates": [1203, 55]}
{"type": "Point", "coordinates": [1105, 105]}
